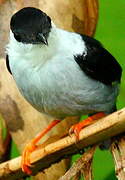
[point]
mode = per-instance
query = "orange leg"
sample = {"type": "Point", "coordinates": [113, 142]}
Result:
{"type": "Point", "coordinates": [77, 127]}
{"type": "Point", "coordinates": [30, 147]}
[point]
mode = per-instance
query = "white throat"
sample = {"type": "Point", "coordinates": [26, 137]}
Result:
{"type": "Point", "coordinates": [36, 54]}
{"type": "Point", "coordinates": [61, 44]}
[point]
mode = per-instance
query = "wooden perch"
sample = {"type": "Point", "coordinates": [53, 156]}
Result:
{"type": "Point", "coordinates": [43, 157]}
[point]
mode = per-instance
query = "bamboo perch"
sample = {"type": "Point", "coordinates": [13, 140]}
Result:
{"type": "Point", "coordinates": [43, 157]}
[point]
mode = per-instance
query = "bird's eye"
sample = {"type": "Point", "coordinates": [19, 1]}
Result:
{"type": "Point", "coordinates": [17, 37]}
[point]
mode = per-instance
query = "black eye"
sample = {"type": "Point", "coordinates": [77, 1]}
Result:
{"type": "Point", "coordinates": [17, 37]}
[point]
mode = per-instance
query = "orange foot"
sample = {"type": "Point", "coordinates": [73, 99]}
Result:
{"type": "Point", "coordinates": [77, 127]}
{"type": "Point", "coordinates": [25, 163]}
{"type": "Point", "coordinates": [30, 147]}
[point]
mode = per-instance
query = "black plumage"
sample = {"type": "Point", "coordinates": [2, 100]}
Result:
{"type": "Point", "coordinates": [38, 23]}
{"type": "Point", "coordinates": [98, 63]}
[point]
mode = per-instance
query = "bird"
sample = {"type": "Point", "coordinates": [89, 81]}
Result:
{"type": "Point", "coordinates": [60, 73]}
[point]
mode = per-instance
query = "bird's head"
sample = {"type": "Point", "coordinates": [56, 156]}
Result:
{"type": "Point", "coordinates": [31, 26]}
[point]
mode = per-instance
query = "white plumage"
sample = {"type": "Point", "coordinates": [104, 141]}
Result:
{"type": "Point", "coordinates": [51, 80]}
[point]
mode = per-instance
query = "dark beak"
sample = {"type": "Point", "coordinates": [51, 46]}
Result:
{"type": "Point", "coordinates": [43, 39]}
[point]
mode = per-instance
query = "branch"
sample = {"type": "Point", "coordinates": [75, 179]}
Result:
{"type": "Point", "coordinates": [87, 159]}
{"type": "Point", "coordinates": [43, 157]}
{"type": "Point", "coordinates": [84, 163]}
{"type": "Point", "coordinates": [118, 152]}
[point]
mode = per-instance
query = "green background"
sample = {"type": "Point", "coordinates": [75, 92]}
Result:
{"type": "Point", "coordinates": [111, 32]}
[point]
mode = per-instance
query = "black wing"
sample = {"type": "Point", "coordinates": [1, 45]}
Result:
{"type": "Point", "coordinates": [98, 63]}
{"type": "Point", "coordinates": [7, 64]}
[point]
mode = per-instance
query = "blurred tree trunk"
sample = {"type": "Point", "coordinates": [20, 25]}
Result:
{"type": "Point", "coordinates": [22, 120]}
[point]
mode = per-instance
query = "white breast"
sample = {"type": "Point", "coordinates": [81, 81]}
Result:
{"type": "Point", "coordinates": [50, 79]}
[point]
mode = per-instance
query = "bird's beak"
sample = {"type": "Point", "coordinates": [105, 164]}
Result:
{"type": "Point", "coordinates": [43, 39]}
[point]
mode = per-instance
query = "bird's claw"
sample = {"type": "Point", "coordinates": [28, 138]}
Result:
{"type": "Point", "coordinates": [76, 130]}
{"type": "Point", "coordinates": [25, 163]}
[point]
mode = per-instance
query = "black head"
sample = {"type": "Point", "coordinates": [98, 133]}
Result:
{"type": "Point", "coordinates": [30, 26]}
